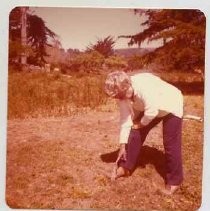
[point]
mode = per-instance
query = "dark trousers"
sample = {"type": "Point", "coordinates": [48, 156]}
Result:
{"type": "Point", "coordinates": [172, 130]}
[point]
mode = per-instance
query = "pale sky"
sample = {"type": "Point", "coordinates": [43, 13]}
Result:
{"type": "Point", "coordinates": [78, 27]}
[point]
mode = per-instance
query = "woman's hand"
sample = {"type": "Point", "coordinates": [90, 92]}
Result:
{"type": "Point", "coordinates": [137, 126]}
{"type": "Point", "coordinates": [122, 153]}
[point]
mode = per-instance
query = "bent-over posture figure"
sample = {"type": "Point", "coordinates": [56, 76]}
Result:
{"type": "Point", "coordinates": [145, 100]}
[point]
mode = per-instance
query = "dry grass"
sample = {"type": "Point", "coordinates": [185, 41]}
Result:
{"type": "Point", "coordinates": [43, 94]}
{"type": "Point", "coordinates": [65, 163]}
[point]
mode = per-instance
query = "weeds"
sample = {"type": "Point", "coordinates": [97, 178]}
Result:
{"type": "Point", "coordinates": [43, 94]}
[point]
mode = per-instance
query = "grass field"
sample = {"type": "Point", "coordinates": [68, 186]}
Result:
{"type": "Point", "coordinates": [58, 160]}
{"type": "Point", "coordinates": [44, 94]}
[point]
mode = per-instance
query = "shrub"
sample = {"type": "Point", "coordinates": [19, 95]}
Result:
{"type": "Point", "coordinates": [136, 62]}
{"type": "Point", "coordinates": [115, 62]}
{"type": "Point", "coordinates": [89, 62]}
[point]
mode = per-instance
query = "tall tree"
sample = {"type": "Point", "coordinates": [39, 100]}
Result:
{"type": "Point", "coordinates": [183, 37]}
{"type": "Point", "coordinates": [103, 46]}
{"type": "Point", "coordinates": [38, 35]}
{"type": "Point", "coordinates": [15, 47]}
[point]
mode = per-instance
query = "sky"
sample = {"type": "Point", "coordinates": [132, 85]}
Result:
{"type": "Point", "coordinates": [78, 27]}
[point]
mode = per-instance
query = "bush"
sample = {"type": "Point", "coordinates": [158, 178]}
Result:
{"type": "Point", "coordinates": [89, 62]}
{"type": "Point", "coordinates": [136, 62]}
{"type": "Point", "coordinates": [115, 62]}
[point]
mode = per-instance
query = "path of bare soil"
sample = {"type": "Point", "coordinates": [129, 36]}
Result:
{"type": "Point", "coordinates": [66, 163]}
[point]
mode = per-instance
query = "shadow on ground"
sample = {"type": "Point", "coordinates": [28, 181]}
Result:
{"type": "Point", "coordinates": [148, 155]}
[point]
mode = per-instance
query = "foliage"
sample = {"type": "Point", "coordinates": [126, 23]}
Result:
{"type": "Point", "coordinates": [93, 62]}
{"type": "Point", "coordinates": [38, 35]}
{"type": "Point", "coordinates": [15, 49]}
{"type": "Point", "coordinates": [88, 62]}
{"type": "Point", "coordinates": [115, 62]}
{"type": "Point", "coordinates": [136, 62]}
{"type": "Point", "coordinates": [103, 46]}
{"type": "Point", "coordinates": [73, 52]}
{"type": "Point", "coordinates": [182, 33]}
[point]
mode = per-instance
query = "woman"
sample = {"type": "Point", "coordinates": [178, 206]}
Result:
{"type": "Point", "coordinates": [144, 101]}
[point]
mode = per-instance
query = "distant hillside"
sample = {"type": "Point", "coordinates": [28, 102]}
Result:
{"type": "Point", "coordinates": [127, 52]}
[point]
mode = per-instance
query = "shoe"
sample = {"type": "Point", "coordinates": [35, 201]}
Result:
{"type": "Point", "coordinates": [119, 172]}
{"type": "Point", "coordinates": [170, 189]}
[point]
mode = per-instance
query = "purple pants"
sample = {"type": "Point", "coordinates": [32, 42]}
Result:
{"type": "Point", "coordinates": [172, 130]}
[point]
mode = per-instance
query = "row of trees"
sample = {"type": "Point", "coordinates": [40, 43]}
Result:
{"type": "Point", "coordinates": [42, 45]}
{"type": "Point", "coordinates": [182, 33]}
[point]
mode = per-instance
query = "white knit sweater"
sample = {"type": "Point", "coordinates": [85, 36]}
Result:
{"type": "Point", "coordinates": [154, 97]}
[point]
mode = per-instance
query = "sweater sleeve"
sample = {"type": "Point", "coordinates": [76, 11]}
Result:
{"type": "Point", "coordinates": [125, 120]}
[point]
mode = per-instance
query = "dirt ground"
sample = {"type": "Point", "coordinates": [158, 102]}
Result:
{"type": "Point", "coordinates": [65, 163]}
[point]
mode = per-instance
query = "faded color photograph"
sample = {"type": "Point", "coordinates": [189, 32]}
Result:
{"type": "Point", "coordinates": [105, 108]}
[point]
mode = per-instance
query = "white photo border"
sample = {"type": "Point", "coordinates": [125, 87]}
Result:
{"type": "Point", "coordinates": [8, 5]}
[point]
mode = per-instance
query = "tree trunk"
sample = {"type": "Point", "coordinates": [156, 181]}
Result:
{"type": "Point", "coordinates": [23, 36]}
